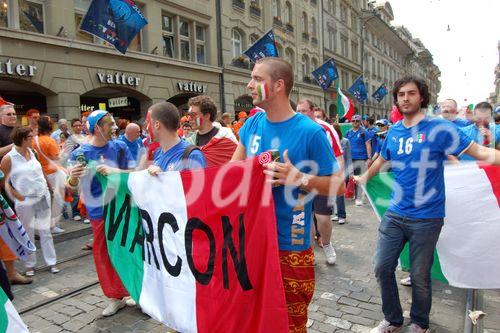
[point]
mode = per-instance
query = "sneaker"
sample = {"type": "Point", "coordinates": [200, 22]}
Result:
{"type": "Point", "coordinates": [54, 269]}
{"type": "Point", "coordinates": [414, 328]}
{"type": "Point", "coordinates": [330, 254]}
{"type": "Point", "coordinates": [86, 221]}
{"type": "Point", "coordinates": [129, 301]}
{"type": "Point", "coordinates": [113, 307]}
{"type": "Point", "coordinates": [406, 282]}
{"type": "Point", "coordinates": [341, 221]}
{"type": "Point", "coordinates": [77, 218]}
{"type": "Point", "coordinates": [386, 327]}
{"type": "Point", "coordinates": [56, 230]}
{"type": "Point", "coordinates": [335, 218]}
{"type": "Point", "coordinates": [358, 202]}
{"type": "Point", "coordinates": [30, 272]}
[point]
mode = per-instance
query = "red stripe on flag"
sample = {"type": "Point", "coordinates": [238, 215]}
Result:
{"type": "Point", "coordinates": [493, 174]}
{"type": "Point", "coordinates": [223, 303]}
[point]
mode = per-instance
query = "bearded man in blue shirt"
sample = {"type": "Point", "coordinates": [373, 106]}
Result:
{"type": "Point", "coordinates": [417, 148]}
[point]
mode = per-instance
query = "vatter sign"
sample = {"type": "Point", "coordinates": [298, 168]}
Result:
{"type": "Point", "coordinates": [118, 102]}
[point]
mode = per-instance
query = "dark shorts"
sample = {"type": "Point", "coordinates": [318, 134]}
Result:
{"type": "Point", "coordinates": [322, 205]}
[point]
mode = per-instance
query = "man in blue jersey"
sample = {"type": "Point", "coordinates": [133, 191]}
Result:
{"type": "Point", "coordinates": [449, 111]}
{"type": "Point", "coordinates": [132, 138]}
{"type": "Point", "coordinates": [174, 154]}
{"type": "Point", "coordinates": [361, 151]}
{"type": "Point", "coordinates": [306, 165]}
{"type": "Point", "coordinates": [416, 148]}
{"type": "Point", "coordinates": [484, 131]}
{"type": "Point", "coordinates": [108, 155]}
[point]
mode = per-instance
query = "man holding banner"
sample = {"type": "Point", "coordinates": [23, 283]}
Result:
{"type": "Point", "coordinates": [104, 154]}
{"type": "Point", "coordinates": [308, 165]}
{"type": "Point", "coordinates": [416, 148]}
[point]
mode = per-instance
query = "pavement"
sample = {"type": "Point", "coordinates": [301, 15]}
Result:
{"type": "Point", "coordinates": [346, 297]}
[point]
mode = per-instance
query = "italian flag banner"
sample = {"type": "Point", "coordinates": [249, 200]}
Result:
{"type": "Point", "coordinates": [10, 322]}
{"type": "Point", "coordinates": [198, 249]}
{"type": "Point", "coordinates": [467, 250]}
{"type": "Point", "coordinates": [345, 107]}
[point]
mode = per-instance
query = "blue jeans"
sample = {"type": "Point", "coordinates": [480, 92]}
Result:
{"type": "Point", "coordinates": [341, 207]}
{"type": "Point", "coordinates": [422, 234]}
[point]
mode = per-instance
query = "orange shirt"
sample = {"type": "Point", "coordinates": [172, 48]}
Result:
{"type": "Point", "coordinates": [47, 151]}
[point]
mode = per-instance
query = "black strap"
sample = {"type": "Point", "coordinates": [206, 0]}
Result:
{"type": "Point", "coordinates": [185, 156]}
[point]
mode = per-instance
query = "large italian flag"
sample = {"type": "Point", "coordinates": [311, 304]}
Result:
{"type": "Point", "coordinates": [467, 250]}
{"type": "Point", "coordinates": [10, 322]}
{"type": "Point", "coordinates": [198, 249]}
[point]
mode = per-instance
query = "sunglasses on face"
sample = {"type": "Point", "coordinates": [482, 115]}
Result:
{"type": "Point", "coordinates": [355, 121]}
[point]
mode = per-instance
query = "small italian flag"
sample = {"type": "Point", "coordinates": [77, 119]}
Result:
{"type": "Point", "coordinates": [345, 107]}
{"type": "Point", "coordinates": [467, 250]}
{"type": "Point", "coordinates": [10, 322]}
{"type": "Point", "coordinates": [420, 137]}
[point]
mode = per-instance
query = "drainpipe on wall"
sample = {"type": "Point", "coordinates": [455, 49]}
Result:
{"type": "Point", "coordinates": [220, 56]}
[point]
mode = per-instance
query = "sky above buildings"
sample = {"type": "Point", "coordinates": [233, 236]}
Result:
{"type": "Point", "coordinates": [467, 52]}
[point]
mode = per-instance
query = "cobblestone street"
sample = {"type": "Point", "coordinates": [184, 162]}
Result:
{"type": "Point", "coordinates": [346, 297]}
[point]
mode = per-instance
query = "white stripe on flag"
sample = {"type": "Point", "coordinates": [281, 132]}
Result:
{"type": "Point", "coordinates": [179, 292]}
{"type": "Point", "coordinates": [15, 324]}
{"type": "Point", "coordinates": [468, 246]}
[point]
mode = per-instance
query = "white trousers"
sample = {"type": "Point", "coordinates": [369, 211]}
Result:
{"type": "Point", "coordinates": [39, 221]}
{"type": "Point", "coordinates": [56, 183]}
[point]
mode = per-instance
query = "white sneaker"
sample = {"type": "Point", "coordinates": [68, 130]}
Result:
{"type": "Point", "coordinates": [77, 218]}
{"type": "Point", "coordinates": [86, 221]}
{"type": "Point", "coordinates": [54, 269]}
{"type": "Point", "coordinates": [113, 307]}
{"type": "Point", "coordinates": [129, 301]}
{"type": "Point", "coordinates": [341, 221]}
{"type": "Point", "coordinates": [330, 254]}
{"type": "Point", "coordinates": [335, 218]}
{"type": "Point", "coordinates": [358, 202]}
{"type": "Point", "coordinates": [56, 230]}
{"type": "Point", "coordinates": [406, 282]}
{"type": "Point", "coordinates": [414, 328]}
{"type": "Point", "coordinates": [386, 327]}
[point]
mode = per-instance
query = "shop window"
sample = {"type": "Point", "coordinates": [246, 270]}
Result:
{"type": "Point", "coordinates": [4, 13]}
{"type": "Point", "coordinates": [31, 16]}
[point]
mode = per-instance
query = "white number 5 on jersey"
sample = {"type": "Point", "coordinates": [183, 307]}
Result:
{"type": "Point", "coordinates": [254, 144]}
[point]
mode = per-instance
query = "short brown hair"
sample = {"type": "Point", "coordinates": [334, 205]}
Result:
{"type": "Point", "coordinates": [167, 114]}
{"type": "Point", "coordinates": [19, 133]}
{"type": "Point", "coordinates": [279, 69]}
{"type": "Point", "coordinates": [44, 125]}
{"type": "Point", "coordinates": [30, 112]}
{"type": "Point", "coordinates": [206, 105]}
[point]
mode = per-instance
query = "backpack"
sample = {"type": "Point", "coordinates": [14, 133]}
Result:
{"type": "Point", "coordinates": [185, 156]}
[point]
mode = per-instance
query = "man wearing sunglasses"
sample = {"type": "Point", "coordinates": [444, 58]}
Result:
{"type": "Point", "coordinates": [361, 150]}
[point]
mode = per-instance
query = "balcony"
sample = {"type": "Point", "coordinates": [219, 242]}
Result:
{"type": "Point", "coordinates": [255, 10]}
{"type": "Point", "coordinates": [305, 36]}
{"type": "Point", "coordinates": [239, 4]}
{"type": "Point", "coordinates": [277, 22]}
{"type": "Point", "coordinates": [289, 27]}
{"type": "Point", "coordinates": [241, 62]}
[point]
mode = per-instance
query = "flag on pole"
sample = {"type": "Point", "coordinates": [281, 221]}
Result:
{"type": "Point", "coordinates": [13, 233]}
{"type": "Point", "coordinates": [326, 74]}
{"type": "Point", "coordinates": [358, 90]}
{"type": "Point", "coordinates": [191, 248]}
{"type": "Point", "coordinates": [10, 322]}
{"type": "Point", "coordinates": [380, 93]}
{"type": "Point", "coordinates": [345, 107]}
{"type": "Point", "coordinates": [263, 47]}
{"type": "Point", "coordinates": [467, 250]}
{"type": "Point", "coordinates": [114, 21]}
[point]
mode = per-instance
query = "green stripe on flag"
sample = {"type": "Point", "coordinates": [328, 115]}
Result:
{"type": "Point", "coordinates": [3, 312]}
{"type": "Point", "coordinates": [124, 232]}
{"type": "Point", "coordinates": [379, 190]}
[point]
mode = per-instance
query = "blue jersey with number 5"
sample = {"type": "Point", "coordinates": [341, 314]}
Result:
{"type": "Point", "coordinates": [309, 151]}
{"type": "Point", "coordinates": [417, 155]}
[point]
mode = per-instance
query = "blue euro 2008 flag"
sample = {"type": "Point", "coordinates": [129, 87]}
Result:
{"type": "Point", "coordinates": [264, 47]}
{"type": "Point", "coordinates": [326, 74]}
{"type": "Point", "coordinates": [358, 90]}
{"type": "Point", "coordinates": [380, 93]}
{"type": "Point", "coordinates": [115, 21]}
